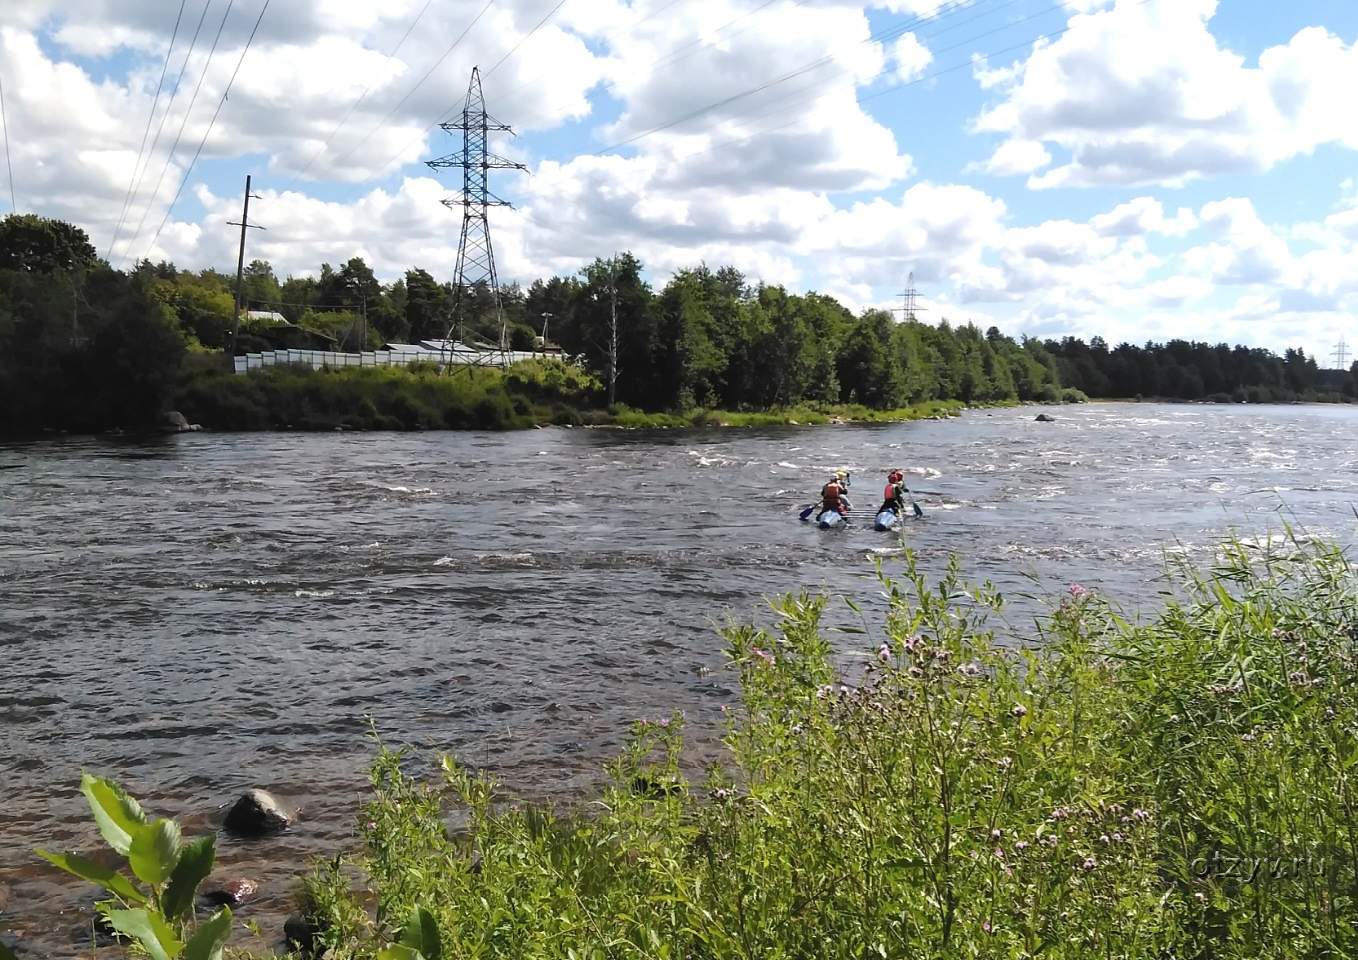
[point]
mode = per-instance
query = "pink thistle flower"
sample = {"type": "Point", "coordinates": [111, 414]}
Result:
{"type": "Point", "coordinates": [1089, 864]}
{"type": "Point", "coordinates": [764, 655]}
{"type": "Point", "coordinates": [884, 653]}
{"type": "Point", "coordinates": [1019, 711]}
{"type": "Point", "coordinates": [1021, 846]}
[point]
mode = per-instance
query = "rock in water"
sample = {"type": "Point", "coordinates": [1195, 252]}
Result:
{"type": "Point", "coordinates": [256, 814]}
{"type": "Point", "coordinates": [232, 893]}
{"type": "Point", "coordinates": [1045, 418]}
{"type": "Point", "coordinates": [176, 422]}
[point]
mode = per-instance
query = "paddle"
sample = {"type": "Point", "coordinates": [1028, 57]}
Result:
{"type": "Point", "coordinates": [810, 508]}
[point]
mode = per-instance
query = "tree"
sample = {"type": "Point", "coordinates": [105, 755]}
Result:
{"type": "Point", "coordinates": [427, 305]}
{"type": "Point", "coordinates": [33, 244]}
{"type": "Point", "coordinates": [260, 288]}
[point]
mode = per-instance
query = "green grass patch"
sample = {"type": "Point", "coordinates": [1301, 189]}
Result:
{"type": "Point", "coordinates": [622, 416]}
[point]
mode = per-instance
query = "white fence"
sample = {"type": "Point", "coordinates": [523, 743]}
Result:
{"type": "Point", "coordinates": [316, 359]}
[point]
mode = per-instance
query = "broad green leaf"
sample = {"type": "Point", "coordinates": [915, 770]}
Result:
{"type": "Point", "coordinates": [195, 863]}
{"type": "Point", "coordinates": [399, 952]}
{"type": "Point", "coordinates": [422, 934]}
{"type": "Point", "coordinates": [111, 880]}
{"type": "Point", "coordinates": [147, 929]}
{"type": "Point", "coordinates": [118, 815]}
{"type": "Point", "coordinates": [155, 851]}
{"type": "Point", "coordinates": [210, 939]}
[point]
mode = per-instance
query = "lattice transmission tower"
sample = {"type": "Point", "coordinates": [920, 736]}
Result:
{"type": "Point", "coordinates": [909, 301]}
{"type": "Point", "coordinates": [475, 253]}
{"type": "Point", "coordinates": [1341, 355]}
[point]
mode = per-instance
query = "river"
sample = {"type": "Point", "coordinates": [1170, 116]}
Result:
{"type": "Point", "coordinates": [205, 613]}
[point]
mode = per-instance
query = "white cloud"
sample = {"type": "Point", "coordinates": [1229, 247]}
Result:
{"type": "Point", "coordinates": [1144, 94]}
{"type": "Point", "coordinates": [1144, 215]}
{"type": "Point", "coordinates": [911, 57]}
{"type": "Point", "coordinates": [1017, 156]}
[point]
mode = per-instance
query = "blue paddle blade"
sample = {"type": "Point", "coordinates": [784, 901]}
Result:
{"type": "Point", "coordinates": [806, 514]}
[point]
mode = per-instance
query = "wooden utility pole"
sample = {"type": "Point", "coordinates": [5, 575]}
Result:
{"type": "Point", "coordinates": [244, 224]}
{"type": "Point", "coordinates": [613, 330]}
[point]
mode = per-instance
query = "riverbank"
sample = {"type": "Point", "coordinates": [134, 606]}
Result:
{"type": "Point", "coordinates": [535, 393]}
{"type": "Point", "coordinates": [1176, 788]}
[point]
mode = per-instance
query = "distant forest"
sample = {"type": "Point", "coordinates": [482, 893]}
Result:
{"type": "Point", "coordinates": [85, 346]}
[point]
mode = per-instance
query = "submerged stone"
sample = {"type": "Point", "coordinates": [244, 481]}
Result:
{"type": "Point", "coordinates": [256, 814]}
{"type": "Point", "coordinates": [232, 893]}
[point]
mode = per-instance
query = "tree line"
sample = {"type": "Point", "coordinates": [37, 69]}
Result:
{"type": "Point", "coordinates": [86, 347]}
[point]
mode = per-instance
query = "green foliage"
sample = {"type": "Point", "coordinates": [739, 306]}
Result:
{"type": "Point", "coordinates": [33, 244]}
{"type": "Point", "coordinates": [158, 916]}
{"type": "Point", "coordinates": [1184, 370]}
{"type": "Point", "coordinates": [1107, 790]}
{"type": "Point", "coordinates": [387, 398]}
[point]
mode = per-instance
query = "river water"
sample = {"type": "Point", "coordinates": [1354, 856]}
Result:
{"type": "Point", "coordinates": [205, 613]}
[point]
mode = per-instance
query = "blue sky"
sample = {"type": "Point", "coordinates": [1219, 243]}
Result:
{"type": "Point", "coordinates": [1129, 168]}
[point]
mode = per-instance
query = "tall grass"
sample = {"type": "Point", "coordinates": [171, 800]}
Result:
{"type": "Point", "coordinates": [1182, 788]}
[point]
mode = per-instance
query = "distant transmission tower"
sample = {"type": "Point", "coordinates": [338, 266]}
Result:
{"type": "Point", "coordinates": [1341, 355]}
{"type": "Point", "coordinates": [475, 254]}
{"type": "Point", "coordinates": [910, 300]}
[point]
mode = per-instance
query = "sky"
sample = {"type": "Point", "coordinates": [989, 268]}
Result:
{"type": "Point", "coordinates": [1131, 169]}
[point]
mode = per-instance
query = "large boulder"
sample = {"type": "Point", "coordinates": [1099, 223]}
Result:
{"type": "Point", "coordinates": [176, 422]}
{"type": "Point", "coordinates": [256, 814]}
{"type": "Point", "coordinates": [1045, 418]}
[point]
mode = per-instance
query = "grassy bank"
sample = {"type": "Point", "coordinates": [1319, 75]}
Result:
{"type": "Point", "coordinates": [422, 398]}
{"type": "Point", "coordinates": [792, 416]}
{"type": "Point", "coordinates": [1183, 788]}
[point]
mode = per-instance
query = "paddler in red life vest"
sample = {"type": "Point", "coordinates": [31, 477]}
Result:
{"type": "Point", "coordinates": [893, 496]}
{"type": "Point", "coordinates": [833, 496]}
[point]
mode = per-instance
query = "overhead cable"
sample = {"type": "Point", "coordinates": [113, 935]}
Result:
{"type": "Point", "coordinates": [212, 123]}
{"type": "Point", "coordinates": [145, 134]}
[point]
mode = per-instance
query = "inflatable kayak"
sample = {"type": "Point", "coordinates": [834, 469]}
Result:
{"type": "Point", "coordinates": [830, 519]}
{"type": "Point", "coordinates": [886, 520]}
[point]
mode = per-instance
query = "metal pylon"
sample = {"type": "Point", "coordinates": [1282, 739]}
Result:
{"type": "Point", "coordinates": [475, 253]}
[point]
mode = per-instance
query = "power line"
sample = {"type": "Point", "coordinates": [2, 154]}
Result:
{"type": "Point", "coordinates": [793, 94]}
{"type": "Point", "coordinates": [890, 33]}
{"type": "Point", "coordinates": [141, 151]}
{"type": "Point", "coordinates": [419, 83]}
{"type": "Point", "coordinates": [212, 123]}
{"type": "Point", "coordinates": [160, 129]}
{"type": "Point", "coordinates": [457, 106]}
{"type": "Point", "coordinates": [9, 164]}
{"type": "Point", "coordinates": [362, 97]}
{"type": "Point", "coordinates": [527, 36]}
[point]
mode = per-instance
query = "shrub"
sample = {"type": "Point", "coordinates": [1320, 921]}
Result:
{"type": "Point", "coordinates": [153, 901]}
{"type": "Point", "coordinates": [1072, 395]}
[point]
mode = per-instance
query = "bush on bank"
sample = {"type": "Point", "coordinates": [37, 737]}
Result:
{"type": "Point", "coordinates": [387, 398]}
{"type": "Point", "coordinates": [1182, 788]}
